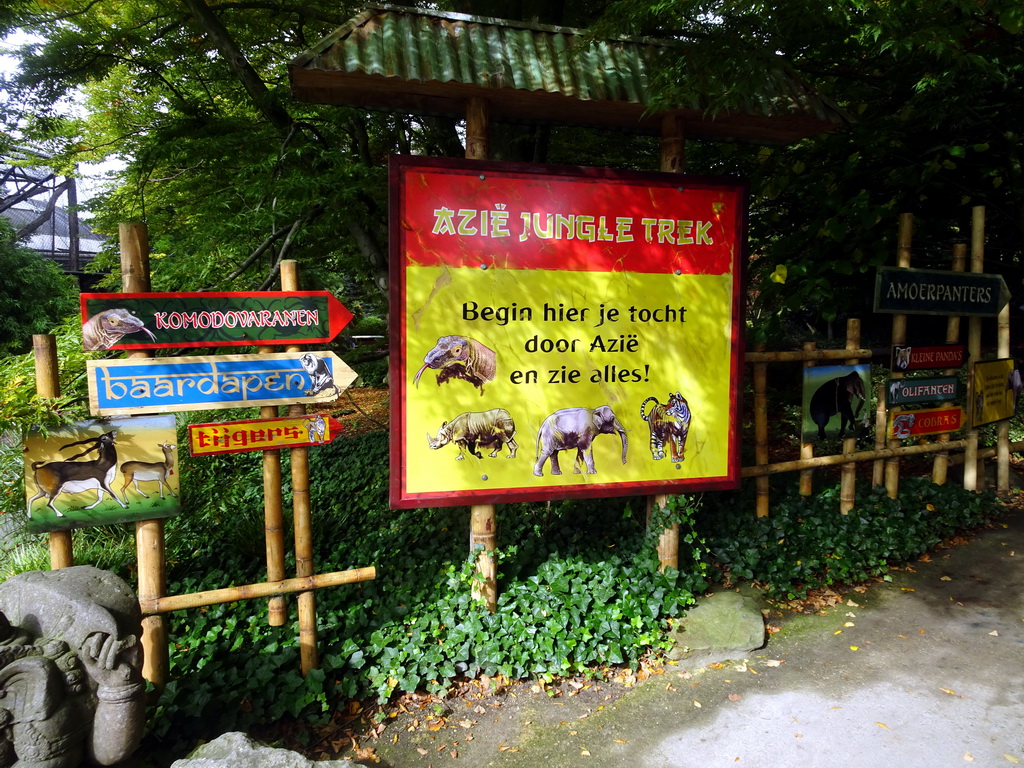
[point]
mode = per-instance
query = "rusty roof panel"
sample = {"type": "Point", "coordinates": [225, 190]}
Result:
{"type": "Point", "coordinates": [426, 61]}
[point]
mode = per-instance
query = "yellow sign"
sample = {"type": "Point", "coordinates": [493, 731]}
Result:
{"type": "Point", "coordinates": [996, 386]}
{"type": "Point", "coordinates": [262, 434]}
{"type": "Point", "coordinates": [559, 336]}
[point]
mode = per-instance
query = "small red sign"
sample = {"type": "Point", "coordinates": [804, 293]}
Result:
{"type": "Point", "coordinates": [914, 358]}
{"type": "Point", "coordinates": [933, 421]}
{"type": "Point", "coordinates": [262, 434]}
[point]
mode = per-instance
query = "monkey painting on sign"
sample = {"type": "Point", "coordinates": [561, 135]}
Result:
{"type": "Point", "coordinates": [842, 395]}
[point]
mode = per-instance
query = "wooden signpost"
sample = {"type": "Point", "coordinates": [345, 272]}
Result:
{"type": "Point", "coordinates": [931, 421]}
{"type": "Point", "coordinates": [262, 434]}
{"type": "Point", "coordinates": [909, 291]}
{"type": "Point", "coordinates": [226, 319]}
{"type": "Point", "coordinates": [148, 385]}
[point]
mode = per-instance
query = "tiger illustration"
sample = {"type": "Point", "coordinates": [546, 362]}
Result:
{"type": "Point", "coordinates": [668, 423]}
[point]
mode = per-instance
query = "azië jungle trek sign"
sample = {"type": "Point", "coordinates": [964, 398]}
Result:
{"type": "Point", "coordinates": [562, 331]}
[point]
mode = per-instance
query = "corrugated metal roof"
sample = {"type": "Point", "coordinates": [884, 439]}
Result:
{"type": "Point", "coordinates": [429, 62]}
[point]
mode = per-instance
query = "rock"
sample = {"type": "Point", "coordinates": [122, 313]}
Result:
{"type": "Point", "coordinates": [236, 750]}
{"type": "Point", "coordinates": [722, 626]}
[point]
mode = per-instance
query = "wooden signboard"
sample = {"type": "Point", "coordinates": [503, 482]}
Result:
{"type": "Point", "coordinates": [937, 389]}
{"type": "Point", "coordinates": [102, 472]}
{"type": "Point", "coordinates": [227, 319]}
{"type": "Point", "coordinates": [934, 292]}
{"type": "Point", "coordinates": [148, 385]}
{"type": "Point", "coordinates": [562, 332]}
{"type": "Point", "coordinates": [997, 384]}
{"type": "Point", "coordinates": [931, 421]}
{"type": "Point", "coordinates": [262, 434]}
{"type": "Point", "coordinates": [918, 358]}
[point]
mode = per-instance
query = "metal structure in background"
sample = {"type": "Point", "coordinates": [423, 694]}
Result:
{"type": "Point", "coordinates": [43, 209]}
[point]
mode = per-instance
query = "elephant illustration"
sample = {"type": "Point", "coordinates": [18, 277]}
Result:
{"type": "Point", "coordinates": [575, 428]}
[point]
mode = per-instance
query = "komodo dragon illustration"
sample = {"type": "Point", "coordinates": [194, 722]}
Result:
{"type": "Point", "coordinates": [460, 357]}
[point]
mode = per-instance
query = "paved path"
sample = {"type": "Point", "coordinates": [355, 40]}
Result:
{"type": "Point", "coordinates": [926, 671]}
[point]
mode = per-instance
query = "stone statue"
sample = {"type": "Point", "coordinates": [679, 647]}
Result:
{"type": "Point", "coordinates": [71, 684]}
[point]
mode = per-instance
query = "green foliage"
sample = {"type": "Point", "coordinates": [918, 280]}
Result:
{"type": "Point", "coordinates": [21, 408]}
{"type": "Point", "coordinates": [806, 544]}
{"type": "Point", "coordinates": [34, 294]}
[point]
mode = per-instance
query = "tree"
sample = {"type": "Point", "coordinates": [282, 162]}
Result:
{"type": "Point", "coordinates": [933, 91]}
{"type": "Point", "coordinates": [34, 294]}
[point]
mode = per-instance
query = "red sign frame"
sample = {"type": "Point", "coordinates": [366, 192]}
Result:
{"type": "Point", "coordinates": [455, 223]}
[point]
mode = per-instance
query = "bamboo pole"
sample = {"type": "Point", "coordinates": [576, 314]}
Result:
{"type": "Point", "coordinates": [673, 159]}
{"type": "Point", "coordinates": [254, 591]}
{"type": "Point", "coordinates": [477, 130]}
{"type": "Point", "coordinates": [482, 541]}
{"type": "Point", "coordinates": [971, 469]}
{"type": "Point", "coordinates": [940, 464]}
{"type": "Point", "coordinates": [761, 432]}
{"type": "Point", "coordinates": [807, 447]}
{"type": "Point", "coordinates": [899, 337]}
{"type": "Point", "coordinates": [149, 534]}
{"type": "Point", "coordinates": [44, 349]}
{"type": "Point", "coordinates": [302, 518]}
{"type": "Point", "coordinates": [848, 476]}
{"type": "Point", "coordinates": [668, 542]}
{"type": "Point", "coordinates": [759, 470]}
{"type": "Point", "coordinates": [802, 356]}
{"type": "Point", "coordinates": [483, 519]}
{"type": "Point", "coordinates": [878, 466]}
{"type": "Point", "coordinates": [1003, 428]}
{"type": "Point", "coordinates": [673, 144]}
{"type": "Point", "coordinates": [273, 521]}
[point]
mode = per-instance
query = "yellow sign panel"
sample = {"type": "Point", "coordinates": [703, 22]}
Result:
{"type": "Point", "coordinates": [996, 386]}
{"type": "Point", "coordinates": [560, 337]}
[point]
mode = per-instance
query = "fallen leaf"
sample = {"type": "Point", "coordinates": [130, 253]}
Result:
{"type": "Point", "coordinates": [1013, 759]}
{"type": "Point", "coordinates": [670, 687]}
{"type": "Point", "coordinates": [947, 690]}
{"type": "Point", "coordinates": [467, 723]}
{"type": "Point", "coordinates": [852, 604]}
{"type": "Point", "coordinates": [838, 632]}
{"type": "Point", "coordinates": [849, 624]}
{"type": "Point", "coordinates": [421, 750]}
{"type": "Point", "coordinates": [584, 753]}
{"type": "Point", "coordinates": [773, 663]}
{"type": "Point", "coordinates": [696, 704]}
{"type": "Point", "coordinates": [620, 741]}
{"type": "Point", "coordinates": [968, 757]}
{"type": "Point", "coordinates": [994, 633]}
{"type": "Point", "coordinates": [945, 578]}
{"type": "Point", "coordinates": [882, 725]}
{"type": "Point", "coordinates": [908, 589]}
{"type": "Point", "coordinates": [734, 697]}
{"type": "Point", "coordinates": [854, 647]}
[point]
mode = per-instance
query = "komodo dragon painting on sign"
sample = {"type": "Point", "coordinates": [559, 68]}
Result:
{"type": "Point", "coordinates": [460, 357]}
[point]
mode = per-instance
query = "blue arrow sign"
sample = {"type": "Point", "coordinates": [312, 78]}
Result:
{"type": "Point", "coordinates": [150, 385]}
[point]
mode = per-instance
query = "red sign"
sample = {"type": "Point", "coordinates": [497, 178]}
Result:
{"type": "Point", "coordinates": [262, 434]}
{"type": "Point", "coordinates": [933, 421]}
{"type": "Point", "coordinates": [913, 358]}
{"type": "Point", "coordinates": [225, 319]}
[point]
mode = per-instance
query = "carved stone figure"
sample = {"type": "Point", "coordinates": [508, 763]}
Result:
{"type": "Point", "coordinates": [575, 428]}
{"type": "Point", "coordinates": [71, 683]}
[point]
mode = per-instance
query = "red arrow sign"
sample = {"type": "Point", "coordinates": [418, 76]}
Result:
{"type": "Point", "coordinates": [226, 319]}
{"type": "Point", "coordinates": [262, 434]}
